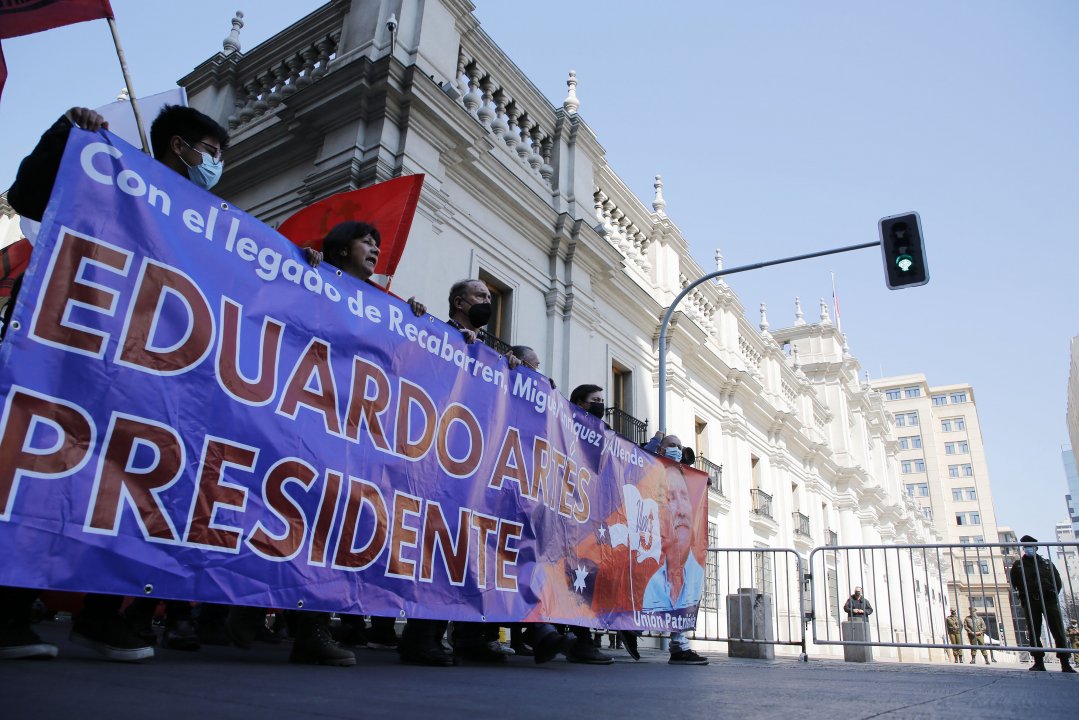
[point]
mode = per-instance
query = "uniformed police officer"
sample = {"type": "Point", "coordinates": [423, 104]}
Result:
{"type": "Point", "coordinates": [975, 628]}
{"type": "Point", "coordinates": [954, 628]}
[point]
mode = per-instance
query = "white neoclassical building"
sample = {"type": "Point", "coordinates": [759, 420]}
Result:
{"type": "Point", "coordinates": [519, 193]}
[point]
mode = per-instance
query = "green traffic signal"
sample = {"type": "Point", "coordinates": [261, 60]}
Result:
{"type": "Point", "coordinates": [903, 250]}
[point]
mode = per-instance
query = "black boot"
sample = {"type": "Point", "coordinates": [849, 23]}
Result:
{"type": "Point", "coordinates": [315, 646]}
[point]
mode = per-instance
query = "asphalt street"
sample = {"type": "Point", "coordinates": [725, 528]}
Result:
{"type": "Point", "coordinates": [225, 682]}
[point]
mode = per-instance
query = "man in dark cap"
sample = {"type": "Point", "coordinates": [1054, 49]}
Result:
{"type": "Point", "coordinates": [1038, 583]}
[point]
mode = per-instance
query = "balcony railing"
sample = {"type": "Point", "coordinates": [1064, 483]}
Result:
{"type": "Point", "coordinates": [801, 524]}
{"type": "Point", "coordinates": [495, 343]}
{"type": "Point", "coordinates": [831, 539]}
{"type": "Point", "coordinates": [715, 472]}
{"type": "Point", "coordinates": [627, 426]}
{"type": "Point", "coordinates": [762, 502]}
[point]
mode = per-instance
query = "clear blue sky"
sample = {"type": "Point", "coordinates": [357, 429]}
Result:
{"type": "Point", "coordinates": [779, 128]}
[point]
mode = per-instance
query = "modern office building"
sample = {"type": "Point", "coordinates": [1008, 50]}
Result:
{"type": "Point", "coordinates": [943, 469]}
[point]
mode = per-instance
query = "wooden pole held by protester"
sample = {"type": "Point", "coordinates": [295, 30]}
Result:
{"type": "Point", "coordinates": [130, 90]}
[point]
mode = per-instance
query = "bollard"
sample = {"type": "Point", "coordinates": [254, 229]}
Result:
{"type": "Point", "coordinates": [856, 630]}
{"type": "Point", "coordinates": [749, 617]}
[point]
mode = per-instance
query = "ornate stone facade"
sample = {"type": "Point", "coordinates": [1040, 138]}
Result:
{"type": "Point", "coordinates": [519, 192]}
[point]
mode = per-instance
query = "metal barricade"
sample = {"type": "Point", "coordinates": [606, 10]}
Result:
{"type": "Point", "coordinates": [1004, 600]}
{"type": "Point", "coordinates": [753, 597]}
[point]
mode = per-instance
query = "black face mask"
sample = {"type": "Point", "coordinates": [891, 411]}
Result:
{"type": "Point", "coordinates": [479, 314]}
{"type": "Point", "coordinates": [596, 409]}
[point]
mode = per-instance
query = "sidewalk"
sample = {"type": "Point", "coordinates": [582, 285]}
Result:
{"type": "Point", "coordinates": [225, 683]}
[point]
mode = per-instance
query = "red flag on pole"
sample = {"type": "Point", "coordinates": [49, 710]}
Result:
{"type": "Point", "coordinates": [389, 206]}
{"type": "Point", "coordinates": [23, 17]}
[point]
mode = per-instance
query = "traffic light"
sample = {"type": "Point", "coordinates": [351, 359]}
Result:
{"type": "Point", "coordinates": [903, 250]}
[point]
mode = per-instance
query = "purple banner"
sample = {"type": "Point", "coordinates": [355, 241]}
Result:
{"type": "Point", "coordinates": [190, 411]}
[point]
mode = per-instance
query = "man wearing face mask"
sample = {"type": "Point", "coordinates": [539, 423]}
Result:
{"type": "Point", "coordinates": [470, 311]}
{"type": "Point", "coordinates": [858, 606]}
{"type": "Point", "coordinates": [590, 399]}
{"type": "Point", "coordinates": [1037, 583]}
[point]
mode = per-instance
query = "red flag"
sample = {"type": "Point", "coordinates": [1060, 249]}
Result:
{"type": "Point", "coordinates": [23, 17]}
{"type": "Point", "coordinates": [389, 206]}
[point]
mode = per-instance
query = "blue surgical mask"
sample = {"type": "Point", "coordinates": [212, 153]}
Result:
{"type": "Point", "coordinates": [1030, 551]}
{"type": "Point", "coordinates": [674, 453]}
{"type": "Point", "coordinates": [207, 173]}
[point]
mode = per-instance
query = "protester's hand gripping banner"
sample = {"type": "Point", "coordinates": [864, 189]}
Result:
{"type": "Point", "coordinates": [190, 411]}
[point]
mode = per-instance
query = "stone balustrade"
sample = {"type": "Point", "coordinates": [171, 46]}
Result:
{"type": "Point", "coordinates": [520, 121]}
{"type": "Point", "coordinates": [261, 85]}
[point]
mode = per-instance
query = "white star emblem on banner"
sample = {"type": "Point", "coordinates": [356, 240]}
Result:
{"type": "Point", "coordinates": [578, 583]}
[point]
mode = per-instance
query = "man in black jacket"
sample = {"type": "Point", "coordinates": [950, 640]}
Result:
{"type": "Point", "coordinates": [858, 606]}
{"type": "Point", "coordinates": [1037, 583]}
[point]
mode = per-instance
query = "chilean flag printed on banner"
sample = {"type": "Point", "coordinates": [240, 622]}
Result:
{"type": "Point", "coordinates": [23, 17]}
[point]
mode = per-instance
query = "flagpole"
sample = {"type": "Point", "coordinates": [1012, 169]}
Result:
{"type": "Point", "coordinates": [835, 305]}
{"type": "Point", "coordinates": [127, 83]}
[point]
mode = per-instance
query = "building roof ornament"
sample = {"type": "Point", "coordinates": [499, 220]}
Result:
{"type": "Point", "coordinates": [799, 316]}
{"type": "Point", "coordinates": [825, 319]}
{"type": "Point", "coordinates": [571, 103]}
{"type": "Point", "coordinates": [659, 204]}
{"type": "Point", "coordinates": [764, 319]}
{"type": "Point", "coordinates": [231, 43]}
{"type": "Point", "coordinates": [719, 260]}
{"type": "Point", "coordinates": [123, 95]}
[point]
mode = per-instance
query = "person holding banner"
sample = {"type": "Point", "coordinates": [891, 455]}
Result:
{"type": "Point", "coordinates": [353, 248]}
{"type": "Point", "coordinates": [190, 143]}
{"type": "Point", "coordinates": [470, 311]}
{"type": "Point", "coordinates": [664, 588]}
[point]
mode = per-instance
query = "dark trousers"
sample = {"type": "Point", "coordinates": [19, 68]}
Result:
{"type": "Point", "coordinates": [1056, 627]}
{"type": "Point", "coordinates": [473, 634]}
{"type": "Point", "coordinates": [16, 604]}
{"type": "Point", "coordinates": [584, 635]}
{"type": "Point", "coordinates": [422, 634]}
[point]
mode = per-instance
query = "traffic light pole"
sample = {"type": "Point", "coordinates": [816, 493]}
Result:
{"type": "Point", "coordinates": [712, 276]}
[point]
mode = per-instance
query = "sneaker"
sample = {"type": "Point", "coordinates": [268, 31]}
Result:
{"type": "Point", "coordinates": [316, 647]}
{"type": "Point", "coordinates": [501, 648]}
{"type": "Point", "coordinates": [429, 656]}
{"type": "Point", "coordinates": [629, 639]}
{"type": "Point", "coordinates": [181, 635]}
{"type": "Point", "coordinates": [550, 644]}
{"type": "Point", "coordinates": [522, 649]}
{"type": "Point", "coordinates": [586, 652]}
{"type": "Point", "coordinates": [110, 636]}
{"type": "Point", "coordinates": [17, 640]}
{"type": "Point", "coordinates": [687, 657]}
